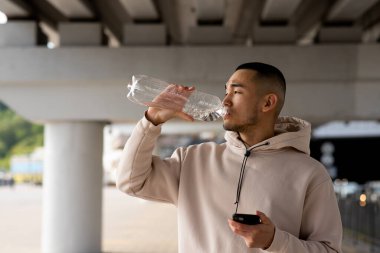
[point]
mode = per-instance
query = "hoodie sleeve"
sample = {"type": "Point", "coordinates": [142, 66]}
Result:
{"type": "Point", "coordinates": [321, 229]}
{"type": "Point", "coordinates": [144, 175]}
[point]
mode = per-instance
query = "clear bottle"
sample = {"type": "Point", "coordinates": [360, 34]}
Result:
{"type": "Point", "coordinates": [201, 106]}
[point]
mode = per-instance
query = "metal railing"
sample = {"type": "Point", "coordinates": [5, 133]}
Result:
{"type": "Point", "coordinates": [361, 219]}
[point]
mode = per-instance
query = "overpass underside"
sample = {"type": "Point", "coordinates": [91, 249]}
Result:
{"type": "Point", "coordinates": [327, 50]}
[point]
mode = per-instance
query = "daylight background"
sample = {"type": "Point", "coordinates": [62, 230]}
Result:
{"type": "Point", "coordinates": [64, 114]}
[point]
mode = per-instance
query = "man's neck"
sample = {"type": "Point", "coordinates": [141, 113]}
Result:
{"type": "Point", "coordinates": [256, 135]}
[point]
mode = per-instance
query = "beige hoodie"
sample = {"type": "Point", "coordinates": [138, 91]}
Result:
{"type": "Point", "coordinates": [281, 180]}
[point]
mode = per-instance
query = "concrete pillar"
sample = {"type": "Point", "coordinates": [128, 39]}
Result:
{"type": "Point", "coordinates": [72, 187]}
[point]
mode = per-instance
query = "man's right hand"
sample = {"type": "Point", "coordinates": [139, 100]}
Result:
{"type": "Point", "coordinates": [169, 104]}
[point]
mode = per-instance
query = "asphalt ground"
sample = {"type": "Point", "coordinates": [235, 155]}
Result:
{"type": "Point", "coordinates": [130, 225]}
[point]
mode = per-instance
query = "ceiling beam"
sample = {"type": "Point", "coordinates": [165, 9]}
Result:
{"type": "Point", "coordinates": [210, 10]}
{"type": "Point", "coordinates": [167, 12]}
{"type": "Point", "coordinates": [370, 17]}
{"type": "Point", "coordinates": [141, 10]}
{"type": "Point", "coordinates": [372, 34]}
{"type": "Point", "coordinates": [178, 16]}
{"type": "Point", "coordinates": [308, 15]}
{"type": "Point", "coordinates": [112, 14]}
{"type": "Point", "coordinates": [12, 10]}
{"type": "Point", "coordinates": [348, 10]}
{"type": "Point", "coordinates": [279, 11]}
{"type": "Point", "coordinates": [232, 13]}
{"type": "Point", "coordinates": [241, 17]}
{"type": "Point", "coordinates": [42, 10]}
{"type": "Point", "coordinates": [73, 9]}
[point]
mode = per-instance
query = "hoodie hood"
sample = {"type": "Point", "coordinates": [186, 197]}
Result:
{"type": "Point", "coordinates": [290, 132]}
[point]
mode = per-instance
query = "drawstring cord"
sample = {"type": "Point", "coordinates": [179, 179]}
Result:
{"type": "Point", "coordinates": [242, 171]}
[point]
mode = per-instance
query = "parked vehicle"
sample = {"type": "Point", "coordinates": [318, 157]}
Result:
{"type": "Point", "coordinates": [372, 190]}
{"type": "Point", "coordinates": [344, 188]}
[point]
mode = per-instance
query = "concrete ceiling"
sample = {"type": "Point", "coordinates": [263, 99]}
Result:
{"type": "Point", "coordinates": [210, 22]}
{"type": "Point", "coordinates": [279, 10]}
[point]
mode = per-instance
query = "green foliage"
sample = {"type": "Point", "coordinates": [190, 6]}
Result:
{"type": "Point", "coordinates": [3, 107]}
{"type": "Point", "coordinates": [5, 162]}
{"type": "Point", "coordinates": [17, 136]}
{"type": "Point", "coordinates": [28, 144]}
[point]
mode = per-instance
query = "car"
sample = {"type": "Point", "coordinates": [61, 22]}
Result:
{"type": "Point", "coordinates": [344, 188]}
{"type": "Point", "coordinates": [372, 190]}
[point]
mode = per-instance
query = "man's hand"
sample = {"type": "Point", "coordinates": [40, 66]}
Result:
{"type": "Point", "coordinates": [255, 236]}
{"type": "Point", "coordinates": [169, 104]}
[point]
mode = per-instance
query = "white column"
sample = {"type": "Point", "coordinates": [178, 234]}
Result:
{"type": "Point", "coordinates": [72, 187]}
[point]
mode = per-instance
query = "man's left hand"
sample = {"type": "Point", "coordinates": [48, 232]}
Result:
{"type": "Point", "coordinates": [255, 236]}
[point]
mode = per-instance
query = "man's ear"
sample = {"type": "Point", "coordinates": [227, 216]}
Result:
{"type": "Point", "coordinates": [270, 102]}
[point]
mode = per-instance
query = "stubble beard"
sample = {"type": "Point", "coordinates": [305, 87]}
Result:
{"type": "Point", "coordinates": [244, 127]}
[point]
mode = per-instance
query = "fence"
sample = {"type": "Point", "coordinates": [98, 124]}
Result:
{"type": "Point", "coordinates": [361, 219]}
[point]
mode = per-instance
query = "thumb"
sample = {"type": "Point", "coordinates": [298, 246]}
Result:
{"type": "Point", "coordinates": [264, 218]}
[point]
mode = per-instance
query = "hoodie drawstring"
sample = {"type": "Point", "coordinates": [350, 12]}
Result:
{"type": "Point", "coordinates": [242, 171]}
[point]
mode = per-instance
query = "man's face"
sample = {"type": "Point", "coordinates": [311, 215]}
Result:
{"type": "Point", "coordinates": [241, 101]}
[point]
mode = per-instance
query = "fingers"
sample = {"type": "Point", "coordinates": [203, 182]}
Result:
{"type": "Point", "coordinates": [184, 88]}
{"type": "Point", "coordinates": [264, 218]}
{"type": "Point", "coordinates": [255, 236]}
{"type": "Point", "coordinates": [174, 97]}
{"type": "Point", "coordinates": [240, 228]}
{"type": "Point", "coordinates": [247, 232]}
{"type": "Point", "coordinates": [180, 90]}
{"type": "Point", "coordinates": [169, 104]}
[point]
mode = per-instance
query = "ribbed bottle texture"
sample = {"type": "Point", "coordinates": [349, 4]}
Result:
{"type": "Point", "coordinates": [145, 90]}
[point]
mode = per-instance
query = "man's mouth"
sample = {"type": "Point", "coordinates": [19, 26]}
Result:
{"type": "Point", "coordinates": [227, 115]}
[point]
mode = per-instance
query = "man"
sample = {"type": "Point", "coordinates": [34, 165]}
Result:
{"type": "Point", "coordinates": [265, 162]}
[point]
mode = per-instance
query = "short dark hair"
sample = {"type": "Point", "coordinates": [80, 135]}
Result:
{"type": "Point", "coordinates": [266, 71]}
{"type": "Point", "coordinates": [271, 73]}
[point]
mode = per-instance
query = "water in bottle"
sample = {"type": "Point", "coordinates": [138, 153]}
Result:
{"type": "Point", "coordinates": [145, 90]}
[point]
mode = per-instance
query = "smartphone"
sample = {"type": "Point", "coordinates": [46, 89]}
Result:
{"type": "Point", "coordinates": [248, 219]}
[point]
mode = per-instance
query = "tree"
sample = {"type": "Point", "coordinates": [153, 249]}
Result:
{"type": "Point", "coordinates": [3, 106]}
{"type": "Point", "coordinates": [17, 135]}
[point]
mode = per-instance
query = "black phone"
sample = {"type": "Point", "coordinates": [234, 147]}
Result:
{"type": "Point", "coordinates": [248, 219]}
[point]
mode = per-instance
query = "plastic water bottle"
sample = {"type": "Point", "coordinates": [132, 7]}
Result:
{"type": "Point", "coordinates": [201, 106]}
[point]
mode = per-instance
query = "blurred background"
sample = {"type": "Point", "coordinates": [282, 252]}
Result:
{"type": "Point", "coordinates": [64, 116]}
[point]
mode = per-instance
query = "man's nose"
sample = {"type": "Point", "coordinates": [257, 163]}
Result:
{"type": "Point", "coordinates": [227, 100]}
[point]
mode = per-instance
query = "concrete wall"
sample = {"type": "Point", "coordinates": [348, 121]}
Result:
{"type": "Point", "coordinates": [324, 82]}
